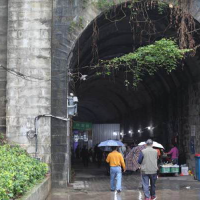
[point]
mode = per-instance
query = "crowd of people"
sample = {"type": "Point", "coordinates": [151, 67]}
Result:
{"type": "Point", "coordinates": [148, 161]}
{"type": "Point", "coordinates": [98, 155]}
{"type": "Point", "coordinates": [145, 157]}
{"type": "Point", "coordinates": [92, 155]}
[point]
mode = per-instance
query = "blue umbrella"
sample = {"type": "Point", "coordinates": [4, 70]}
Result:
{"type": "Point", "coordinates": [108, 149]}
{"type": "Point", "coordinates": [111, 143]}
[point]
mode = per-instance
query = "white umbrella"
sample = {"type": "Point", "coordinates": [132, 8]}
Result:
{"type": "Point", "coordinates": [155, 144]}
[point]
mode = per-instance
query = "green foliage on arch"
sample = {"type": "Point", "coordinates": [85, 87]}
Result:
{"type": "Point", "coordinates": [164, 54]}
{"type": "Point", "coordinates": [105, 4]}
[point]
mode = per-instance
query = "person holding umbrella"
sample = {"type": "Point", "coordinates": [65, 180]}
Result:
{"type": "Point", "coordinates": [116, 162]}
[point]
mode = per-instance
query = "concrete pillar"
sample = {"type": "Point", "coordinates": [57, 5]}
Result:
{"type": "Point", "coordinates": [29, 79]}
{"type": "Point", "coordinates": [59, 138]}
{"type": "Point", "coordinates": [3, 62]}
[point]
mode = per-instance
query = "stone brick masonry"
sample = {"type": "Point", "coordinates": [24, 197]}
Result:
{"type": "Point", "coordinates": [29, 52]}
{"type": "Point", "coordinates": [36, 40]}
{"type": "Point", "coordinates": [3, 61]}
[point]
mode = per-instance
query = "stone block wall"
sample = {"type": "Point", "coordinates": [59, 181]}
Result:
{"type": "Point", "coordinates": [66, 30]}
{"type": "Point", "coordinates": [37, 78]}
{"type": "Point", "coordinates": [29, 83]}
{"type": "Point", "coordinates": [193, 120]}
{"type": "Point", "coordinates": [59, 133]}
{"type": "Point", "coordinates": [3, 62]}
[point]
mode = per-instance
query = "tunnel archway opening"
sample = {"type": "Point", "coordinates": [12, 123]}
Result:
{"type": "Point", "coordinates": [159, 102]}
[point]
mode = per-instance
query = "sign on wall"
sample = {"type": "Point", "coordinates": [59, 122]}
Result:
{"type": "Point", "coordinates": [82, 125]}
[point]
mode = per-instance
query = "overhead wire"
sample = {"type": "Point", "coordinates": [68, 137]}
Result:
{"type": "Point", "coordinates": [35, 79]}
{"type": "Point", "coordinates": [21, 75]}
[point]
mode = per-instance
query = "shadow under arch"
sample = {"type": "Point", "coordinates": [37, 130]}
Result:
{"type": "Point", "coordinates": [115, 38]}
{"type": "Point", "coordinates": [161, 99]}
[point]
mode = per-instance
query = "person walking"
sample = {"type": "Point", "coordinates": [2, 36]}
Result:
{"type": "Point", "coordinates": [77, 152]}
{"type": "Point", "coordinates": [99, 154]}
{"type": "Point", "coordinates": [85, 156]}
{"type": "Point", "coordinates": [116, 162]}
{"type": "Point", "coordinates": [148, 159]}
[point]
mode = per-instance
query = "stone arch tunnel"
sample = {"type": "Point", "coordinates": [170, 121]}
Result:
{"type": "Point", "coordinates": [37, 41]}
{"type": "Point", "coordinates": [162, 101]}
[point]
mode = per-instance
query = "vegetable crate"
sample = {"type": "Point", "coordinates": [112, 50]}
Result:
{"type": "Point", "coordinates": [174, 169]}
{"type": "Point", "coordinates": [165, 170]}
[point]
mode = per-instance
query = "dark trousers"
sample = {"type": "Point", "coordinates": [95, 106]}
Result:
{"type": "Point", "coordinates": [149, 192]}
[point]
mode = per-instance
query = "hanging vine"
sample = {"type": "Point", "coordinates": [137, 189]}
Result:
{"type": "Point", "coordinates": [180, 17]}
{"type": "Point", "coordinates": [153, 54]}
{"type": "Point", "coordinates": [164, 54]}
{"type": "Point", "coordinates": [95, 37]}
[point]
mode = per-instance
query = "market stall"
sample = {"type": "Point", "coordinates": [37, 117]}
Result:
{"type": "Point", "coordinates": [168, 168]}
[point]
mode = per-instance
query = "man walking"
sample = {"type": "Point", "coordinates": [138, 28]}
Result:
{"type": "Point", "coordinates": [116, 163]}
{"type": "Point", "coordinates": [148, 160]}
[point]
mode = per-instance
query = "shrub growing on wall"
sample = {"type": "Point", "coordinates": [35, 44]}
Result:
{"type": "Point", "coordinates": [18, 172]}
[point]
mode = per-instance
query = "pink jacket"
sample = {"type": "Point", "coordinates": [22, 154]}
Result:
{"type": "Point", "coordinates": [174, 152]}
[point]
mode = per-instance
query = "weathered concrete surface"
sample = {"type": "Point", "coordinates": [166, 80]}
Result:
{"type": "Point", "coordinates": [189, 135]}
{"type": "Point", "coordinates": [163, 194]}
{"type": "Point", "coordinates": [29, 52]}
{"type": "Point", "coordinates": [3, 61]}
{"type": "Point", "coordinates": [59, 138]}
{"type": "Point", "coordinates": [65, 13]}
{"type": "Point", "coordinates": [39, 192]}
{"type": "Point", "coordinates": [91, 183]}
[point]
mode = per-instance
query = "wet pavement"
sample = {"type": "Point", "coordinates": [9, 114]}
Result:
{"type": "Point", "coordinates": [92, 183]}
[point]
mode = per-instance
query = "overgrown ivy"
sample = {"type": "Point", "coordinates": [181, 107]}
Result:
{"type": "Point", "coordinates": [104, 4]}
{"type": "Point", "coordinates": [164, 54]}
{"type": "Point", "coordinates": [76, 25]}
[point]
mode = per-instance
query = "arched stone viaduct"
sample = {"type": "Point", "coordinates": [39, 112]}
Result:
{"type": "Point", "coordinates": [37, 41]}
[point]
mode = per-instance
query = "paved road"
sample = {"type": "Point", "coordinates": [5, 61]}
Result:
{"type": "Point", "coordinates": [92, 183]}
